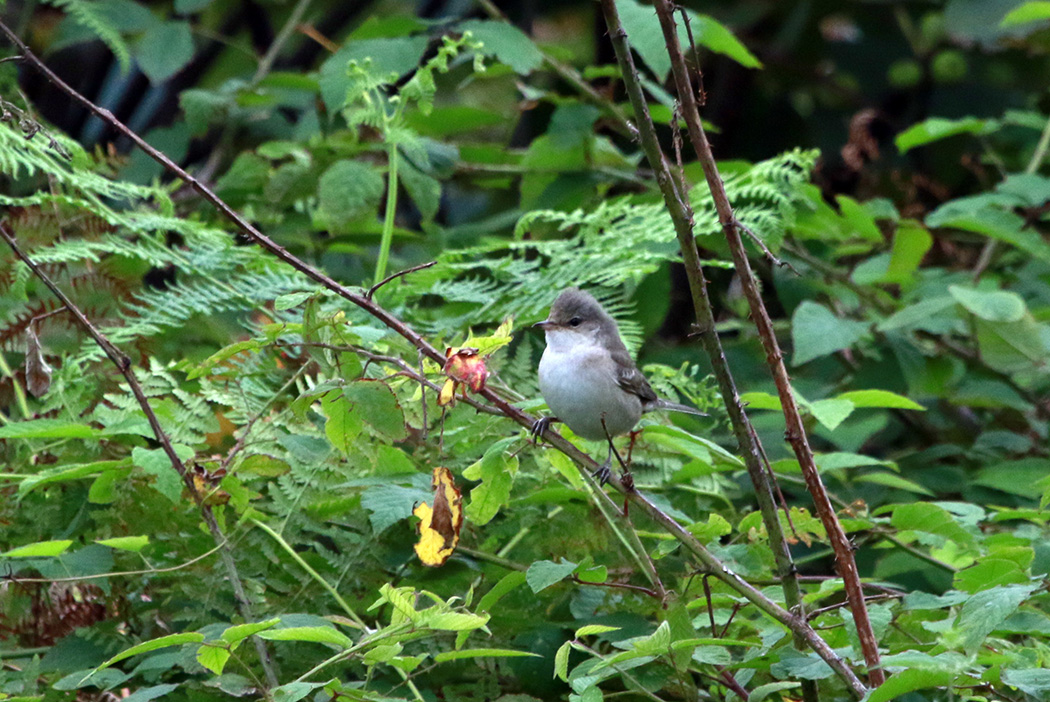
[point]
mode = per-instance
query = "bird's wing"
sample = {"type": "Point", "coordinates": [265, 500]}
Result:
{"type": "Point", "coordinates": [631, 379]}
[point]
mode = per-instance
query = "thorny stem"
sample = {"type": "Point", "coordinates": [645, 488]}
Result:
{"type": "Point", "coordinates": [792, 621]}
{"type": "Point", "coordinates": [796, 432]}
{"type": "Point", "coordinates": [682, 216]}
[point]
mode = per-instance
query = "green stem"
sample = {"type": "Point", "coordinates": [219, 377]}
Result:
{"type": "Point", "coordinates": [1040, 150]}
{"type": "Point", "coordinates": [313, 573]}
{"type": "Point", "coordinates": [20, 394]}
{"type": "Point", "coordinates": [388, 219]}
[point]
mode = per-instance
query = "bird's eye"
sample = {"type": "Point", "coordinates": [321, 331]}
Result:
{"type": "Point", "coordinates": [574, 322]}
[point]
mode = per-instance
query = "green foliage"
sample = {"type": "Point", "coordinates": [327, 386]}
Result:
{"type": "Point", "coordinates": [916, 325]}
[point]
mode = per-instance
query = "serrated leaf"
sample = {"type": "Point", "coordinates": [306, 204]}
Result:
{"type": "Point", "coordinates": [592, 629]}
{"type": "Point", "coordinates": [342, 425]}
{"type": "Point", "coordinates": [47, 429]}
{"type": "Point", "coordinates": [347, 190]}
{"type": "Point", "coordinates": [377, 405]}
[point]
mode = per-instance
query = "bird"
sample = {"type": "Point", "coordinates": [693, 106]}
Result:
{"type": "Point", "coordinates": [588, 378]}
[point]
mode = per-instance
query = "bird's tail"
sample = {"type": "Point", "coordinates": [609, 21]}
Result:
{"type": "Point", "coordinates": [662, 404]}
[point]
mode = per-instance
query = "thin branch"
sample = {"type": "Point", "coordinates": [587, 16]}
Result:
{"type": "Point", "coordinates": [384, 281]}
{"type": "Point", "coordinates": [682, 217]}
{"type": "Point", "coordinates": [796, 432]}
{"type": "Point", "coordinates": [123, 364]}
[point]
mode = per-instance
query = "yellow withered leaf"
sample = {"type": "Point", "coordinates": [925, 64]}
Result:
{"type": "Point", "coordinates": [439, 525]}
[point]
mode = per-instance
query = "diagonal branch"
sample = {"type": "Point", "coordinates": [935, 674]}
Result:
{"type": "Point", "coordinates": [796, 432]}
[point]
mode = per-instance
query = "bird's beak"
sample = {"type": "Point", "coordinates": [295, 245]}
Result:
{"type": "Point", "coordinates": [545, 324]}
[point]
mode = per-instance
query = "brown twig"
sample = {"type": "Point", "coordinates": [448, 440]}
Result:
{"type": "Point", "coordinates": [796, 432]}
{"type": "Point", "coordinates": [682, 218]}
{"type": "Point", "coordinates": [621, 586]}
{"type": "Point", "coordinates": [123, 364]}
{"type": "Point", "coordinates": [384, 281]}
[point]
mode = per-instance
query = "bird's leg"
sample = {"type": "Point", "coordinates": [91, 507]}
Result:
{"type": "Point", "coordinates": [540, 426]}
{"type": "Point", "coordinates": [603, 471]}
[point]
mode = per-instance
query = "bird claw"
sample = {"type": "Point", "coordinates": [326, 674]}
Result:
{"type": "Point", "coordinates": [602, 474]}
{"type": "Point", "coordinates": [540, 426]}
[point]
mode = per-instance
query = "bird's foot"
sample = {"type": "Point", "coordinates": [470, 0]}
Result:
{"type": "Point", "coordinates": [604, 472]}
{"type": "Point", "coordinates": [540, 426]}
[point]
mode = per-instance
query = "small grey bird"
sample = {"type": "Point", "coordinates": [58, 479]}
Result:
{"type": "Point", "coordinates": [587, 376]}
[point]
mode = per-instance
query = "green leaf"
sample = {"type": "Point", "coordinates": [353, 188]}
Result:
{"type": "Point", "coordinates": [507, 583]}
{"type": "Point", "coordinates": [543, 574]}
{"type": "Point", "coordinates": [816, 331]}
{"type": "Point", "coordinates": [164, 50]}
{"type": "Point", "coordinates": [237, 633]}
{"type": "Point", "coordinates": [710, 33]}
{"type": "Point", "coordinates": [394, 56]}
{"type": "Point", "coordinates": [908, 681]}
{"type": "Point", "coordinates": [984, 612]}
{"type": "Point", "coordinates": [646, 37]}
{"type": "Point", "coordinates": [496, 471]}
{"type": "Point", "coordinates": [154, 645]}
{"type": "Point", "coordinates": [223, 354]}
{"type": "Point", "coordinates": [931, 314]}
{"type": "Point", "coordinates": [126, 543]}
{"type": "Point", "coordinates": [894, 481]}
{"type": "Point", "coordinates": [287, 302]}
{"type": "Point", "coordinates": [347, 190]}
{"type": "Point", "coordinates": [481, 653]}
{"type": "Point", "coordinates": [831, 413]}
{"type": "Point", "coordinates": [592, 629]}
{"type": "Point", "coordinates": [189, 7]}
{"type": "Point", "coordinates": [763, 691]}
{"type": "Point", "coordinates": [156, 463]}
{"type": "Point", "coordinates": [910, 244]}
{"type": "Point", "coordinates": [376, 404]}
{"type": "Point", "coordinates": [561, 661]}
{"type": "Point", "coordinates": [389, 504]}
{"type": "Point", "coordinates": [213, 657]}
{"type": "Point", "coordinates": [424, 190]}
{"type": "Point", "coordinates": [1029, 12]}
{"type": "Point", "coordinates": [937, 128]}
{"type": "Point", "coordinates": [1031, 681]}
{"type": "Point", "coordinates": [879, 398]}
{"type": "Point", "coordinates": [314, 634]}
{"type": "Point", "coordinates": [993, 306]}
{"type": "Point", "coordinates": [507, 43]}
{"type": "Point", "coordinates": [932, 519]}
{"type": "Point", "coordinates": [992, 222]}
{"type": "Point", "coordinates": [342, 425]}
{"type": "Point", "coordinates": [39, 549]}
{"type": "Point", "coordinates": [456, 621]}
{"type": "Point", "coordinates": [294, 691]}
{"type": "Point", "coordinates": [47, 429]}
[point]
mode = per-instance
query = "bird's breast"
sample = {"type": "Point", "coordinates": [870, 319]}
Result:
{"type": "Point", "coordinates": [580, 387]}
